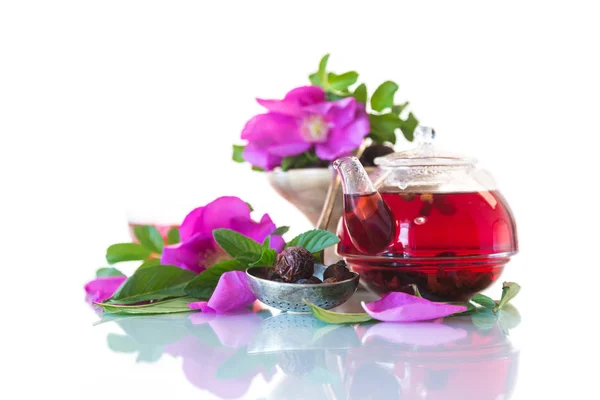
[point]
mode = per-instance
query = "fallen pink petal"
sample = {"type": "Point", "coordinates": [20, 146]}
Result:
{"type": "Point", "coordinates": [232, 292]}
{"type": "Point", "coordinates": [402, 307]}
{"type": "Point", "coordinates": [102, 288]}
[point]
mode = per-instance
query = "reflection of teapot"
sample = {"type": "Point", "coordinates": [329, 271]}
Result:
{"type": "Point", "coordinates": [430, 218]}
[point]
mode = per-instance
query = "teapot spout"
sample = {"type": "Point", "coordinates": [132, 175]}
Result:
{"type": "Point", "coordinates": [368, 219]}
{"type": "Point", "coordinates": [355, 179]}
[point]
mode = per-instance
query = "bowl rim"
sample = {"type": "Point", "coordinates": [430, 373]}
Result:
{"type": "Point", "coordinates": [355, 277]}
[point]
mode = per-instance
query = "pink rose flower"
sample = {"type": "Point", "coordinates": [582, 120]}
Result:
{"type": "Point", "coordinates": [198, 249]}
{"type": "Point", "coordinates": [301, 121]}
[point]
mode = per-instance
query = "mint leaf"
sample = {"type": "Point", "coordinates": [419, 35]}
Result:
{"type": "Point", "coordinates": [149, 237]}
{"type": "Point", "coordinates": [332, 317]}
{"type": "Point", "coordinates": [383, 97]}
{"type": "Point", "coordinates": [282, 230]}
{"type": "Point", "coordinates": [173, 236]}
{"type": "Point", "coordinates": [314, 240]}
{"type": "Point", "coordinates": [101, 272]}
{"type": "Point", "coordinates": [408, 127]}
{"type": "Point", "coordinates": [267, 258]}
{"type": "Point", "coordinates": [509, 291]}
{"type": "Point", "coordinates": [236, 245]}
{"type": "Point", "coordinates": [483, 300]}
{"type": "Point", "coordinates": [149, 263]}
{"type": "Point", "coordinates": [152, 283]}
{"type": "Point", "coordinates": [126, 252]}
{"type": "Point", "coordinates": [360, 93]}
{"type": "Point", "coordinates": [204, 284]}
{"type": "Point", "coordinates": [343, 81]}
{"type": "Point", "coordinates": [238, 153]}
{"type": "Point", "coordinates": [160, 307]}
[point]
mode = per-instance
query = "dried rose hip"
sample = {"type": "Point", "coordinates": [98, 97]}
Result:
{"type": "Point", "coordinates": [295, 263]}
{"type": "Point", "coordinates": [330, 280]}
{"type": "Point", "coordinates": [315, 280]}
{"type": "Point", "coordinates": [338, 271]}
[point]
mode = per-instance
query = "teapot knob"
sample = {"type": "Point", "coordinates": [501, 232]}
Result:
{"type": "Point", "coordinates": [424, 136]}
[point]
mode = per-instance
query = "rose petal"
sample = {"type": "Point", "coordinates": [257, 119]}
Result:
{"type": "Point", "coordinates": [277, 243]}
{"type": "Point", "coordinates": [270, 128]}
{"type": "Point", "coordinates": [232, 292]}
{"type": "Point", "coordinates": [196, 254]}
{"type": "Point", "coordinates": [102, 288]}
{"type": "Point", "coordinates": [259, 156]}
{"type": "Point", "coordinates": [290, 149]}
{"type": "Point", "coordinates": [294, 101]}
{"type": "Point", "coordinates": [257, 231]}
{"type": "Point", "coordinates": [402, 307]}
{"type": "Point", "coordinates": [418, 333]}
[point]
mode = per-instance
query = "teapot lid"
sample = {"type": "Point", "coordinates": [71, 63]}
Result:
{"type": "Point", "coordinates": [424, 154]}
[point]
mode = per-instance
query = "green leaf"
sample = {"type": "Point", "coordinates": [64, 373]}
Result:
{"type": "Point", "coordinates": [509, 291]}
{"type": "Point", "coordinates": [173, 236]}
{"type": "Point", "coordinates": [470, 308]}
{"type": "Point", "coordinates": [398, 108]}
{"type": "Point", "coordinates": [332, 317]}
{"type": "Point", "coordinates": [204, 284]}
{"type": "Point", "coordinates": [153, 283]}
{"type": "Point", "coordinates": [282, 230]}
{"type": "Point", "coordinates": [126, 252]}
{"type": "Point", "coordinates": [149, 237]}
{"type": "Point", "coordinates": [160, 307]}
{"type": "Point", "coordinates": [101, 272]}
{"type": "Point", "coordinates": [314, 240]}
{"type": "Point", "coordinates": [483, 300]}
{"type": "Point", "coordinates": [343, 81]}
{"type": "Point", "coordinates": [299, 161]}
{"type": "Point", "coordinates": [238, 151]}
{"type": "Point", "coordinates": [408, 127]}
{"type": "Point", "coordinates": [236, 244]}
{"type": "Point", "coordinates": [149, 263]}
{"type": "Point", "coordinates": [314, 79]}
{"type": "Point", "coordinates": [258, 169]}
{"type": "Point", "coordinates": [383, 97]}
{"type": "Point", "coordinates": [267, 258]}
{"type": "Point", "coordinates": [323, 70]}
{"type": "Point", "coordinates": [383, 127]}
{"type": "Point", "coordinates": [360, 93]}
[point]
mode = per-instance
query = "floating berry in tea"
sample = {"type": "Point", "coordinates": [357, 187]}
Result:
{"type": "Point", "coordinates": [295, 263]}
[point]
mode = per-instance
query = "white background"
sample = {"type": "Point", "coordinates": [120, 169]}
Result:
{"type": "Point", "coordinates": [105, 105]}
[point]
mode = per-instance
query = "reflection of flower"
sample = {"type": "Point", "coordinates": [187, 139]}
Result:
{"type": "Point", "coordinates": [102, 288]}
{"type": "Point", "coordinates": [198, 250]}
{"type": "Point", "coordinates": [301, 120]}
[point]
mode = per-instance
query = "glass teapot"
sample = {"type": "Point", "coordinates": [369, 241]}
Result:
{"type": "Point", "coordinates": [425, 217]}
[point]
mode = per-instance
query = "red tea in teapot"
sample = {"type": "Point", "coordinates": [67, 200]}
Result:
{"type": "Point", "coordinates": [398, 238]}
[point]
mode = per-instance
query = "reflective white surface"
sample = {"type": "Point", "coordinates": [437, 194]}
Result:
{"type": "Point", "coordinates": [264, 354]}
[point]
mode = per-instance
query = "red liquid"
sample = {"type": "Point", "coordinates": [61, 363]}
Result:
{"type": "Point", "coordinates": [162, 229]}
{"type": "Point", "coordinates": [461, 230]}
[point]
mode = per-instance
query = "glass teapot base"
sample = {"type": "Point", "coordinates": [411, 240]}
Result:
{"type": "Point", "coordinates": [450, 279]}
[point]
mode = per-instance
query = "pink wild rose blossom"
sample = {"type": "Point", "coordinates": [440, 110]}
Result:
{"type": "Point", "coordinates": [198, 249]}
{"type": "Point", "coordinates": [301, 121]}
